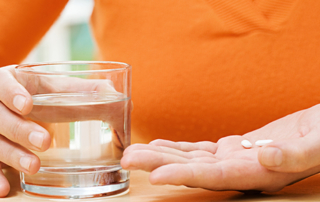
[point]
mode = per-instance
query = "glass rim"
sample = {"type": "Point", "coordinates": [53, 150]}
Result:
{"type": "Point", "coordinates": [21, 67]}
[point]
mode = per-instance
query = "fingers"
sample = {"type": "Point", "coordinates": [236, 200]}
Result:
{"type": "Point", "coordinates": [71, 85]}
{"type": "Point", "coordinates": [209, 176]}
{"type": "Point", "coordinates": [23, 132]}
{"type": "Point", "coordinates": [18, 157]}
{"type": "Point", "coordinates": [41, 84]}
{"type": "Point", "coordinates": [150, 157]}
{"type": "Point", "coordinates": [226, 175]}
{"type": "Point", "coordinates": [4, 184]}
{"type": "Point", "coordinates": [187, 146]}
{"type": "Point", "coordinates": [292, 155]}
{"type": "Point", "coordinates": [163, 149]}
{"type": "Point", "coordinates": [13, 94]}
{"type": "Point", "coordinates": [149, 160]}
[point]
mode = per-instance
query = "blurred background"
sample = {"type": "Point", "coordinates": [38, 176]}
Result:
{"type": "Point", "coordinates": [69, 38]}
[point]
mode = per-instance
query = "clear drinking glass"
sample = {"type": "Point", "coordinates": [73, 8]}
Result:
{"type": "Point", "coordinates": [86, 108]}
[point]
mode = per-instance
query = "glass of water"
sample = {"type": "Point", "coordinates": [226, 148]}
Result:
{"type": "Point", "coordinates": [86, 108]}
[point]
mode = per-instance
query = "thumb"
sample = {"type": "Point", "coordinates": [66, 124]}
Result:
{"type": "Point", "coordinates": [293, 155]}
{"type": "Point", "coordinates": [12, 94]}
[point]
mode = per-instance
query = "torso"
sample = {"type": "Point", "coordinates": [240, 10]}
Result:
{"type": "Point", "coordinates": [200, 75]}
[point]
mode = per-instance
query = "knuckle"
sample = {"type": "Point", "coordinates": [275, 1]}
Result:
{"type": "Point", "coordinates": [134, 147]}
{"type": "Point", "coordinates": [222, 140]}
{"type": "Point", "coordinates": [303, 130]}
{"type": "Point", "coordinates": [156, 142]}
{"type": "Point", "coordinates": [103, 86]}
{"type": "Point", "coordinates": [9, 155]}
{"type": "Point", "coordinates": [16, 130]}
{"type": "Point", "coordinates": [208, 146]}
{"type": "Point", "coordinates": [10, 90]}
{"type": "Point", "coordinates": [95, 87]}
{"type": "Point", "coordinates": [205, 143]}
{"type": "Point", "coordinates": [6, 153]}
{"type": "Point", "coordinates": [110, 83]}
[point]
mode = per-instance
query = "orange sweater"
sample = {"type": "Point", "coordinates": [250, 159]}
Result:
{"type": "Point", "coordinates": [202, 69]}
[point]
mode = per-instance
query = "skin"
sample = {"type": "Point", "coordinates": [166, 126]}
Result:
{"type": "Point", "coordinates": [16, 127]}
{"type": "Point", "coordinates": [226, 165]}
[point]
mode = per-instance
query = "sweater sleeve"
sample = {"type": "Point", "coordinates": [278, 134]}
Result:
{"type": "Point", "coordinates": [22, 24]}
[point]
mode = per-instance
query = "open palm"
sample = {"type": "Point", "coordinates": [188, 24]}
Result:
{"type": "Point", "coordinates": [225, 165]}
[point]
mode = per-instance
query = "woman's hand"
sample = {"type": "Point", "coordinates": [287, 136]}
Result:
{"type": "Point", "coordinates": [18, 134]}
{"type": "Point", "coordinates": [227, 165]}
{"type": "Point", "coordinates": [298, 145]}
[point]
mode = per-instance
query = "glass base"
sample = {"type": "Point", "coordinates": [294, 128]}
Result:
{"type": "Point", "coordinates": [76, 193]}
{"type": "Point", "coordinates": [67, 185]}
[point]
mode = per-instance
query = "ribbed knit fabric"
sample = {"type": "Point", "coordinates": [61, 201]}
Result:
{"type": "Point", "coordinates": [242, 16]}
{"type": "Point", "coordinates": [202, 69]}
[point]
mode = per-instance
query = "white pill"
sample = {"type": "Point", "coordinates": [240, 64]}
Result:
{"type": "Point", "coordinates": [263, 142]}
{"type": "Point", "coordinates": [246, 144]}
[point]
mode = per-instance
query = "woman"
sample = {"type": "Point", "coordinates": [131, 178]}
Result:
{"type": "Point", "coordinates": [202, 70]}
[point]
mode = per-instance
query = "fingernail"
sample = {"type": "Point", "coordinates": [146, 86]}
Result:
{"type": "Point", "coordinates": [25, 162]}
{"type": "Point", "coordinates": [271, 156]}
{"type": "Point", "coordinates": [36, 139]}
{"type": "Point", "coordinates": [19, 102]}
